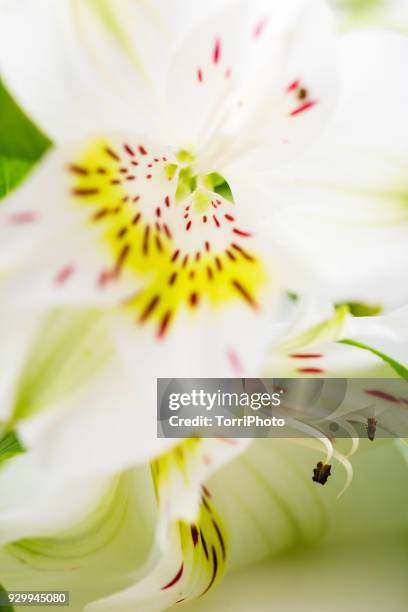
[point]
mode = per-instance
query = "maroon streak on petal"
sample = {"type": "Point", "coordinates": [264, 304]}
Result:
{"type": "Point", "coordinates": [382, 395]}
{"type": "Point", "coordinates": [215, 569]}
{"type": "Point", "coordinates": [306, 355]}
{"type": "Point", "coordinates": [175, 579]}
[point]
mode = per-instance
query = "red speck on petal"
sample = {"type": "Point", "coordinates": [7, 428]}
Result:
{"type": "Point", "coordinates": [194, 299]}
{"type": "Point", "coordinates": [293, 86]}
{"type": "Point", "coordinates": [235, 361]}
{"type": "Point", "coordinates": [160, 334]}
{"type": "Point", "coordinates": [310, 370]}
{"type": "Point", "coordinates": [200, 75]}
{"type": "Point", "coordinates": [22, 218]}
{"type": "Point", "coordinates": [241, 233]}
{"type": "Point", "coordinates": [217, 51]}
{"type": "Point", "coordinates": [382, 395]}
{"type": "Point", "coordinates": [303, 107]}
{"type": "Point", "coordinates": [167, 230]}
{"type": "Point", "coordinates": [64, 274]}
{"type": "Point", "coordinates": [129, 150]}
{"type": "Point", "coordinates": [142, 150]}
{"type": "Point", "coordinates": [306, 355]}
{"type": "Point", "coordinates": [260, 26]}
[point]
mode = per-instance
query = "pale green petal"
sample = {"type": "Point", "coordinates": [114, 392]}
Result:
{"type": "Point", "coordinates": [364, 574]}
{"type": "Point", "coordinates": [270, 505]}
{"type": "Point", "coordinates": [386, 14]}
{"type": "Point", "coordinates": [69, 349]}
{"type": "Point", "coordinates": [101, 549]}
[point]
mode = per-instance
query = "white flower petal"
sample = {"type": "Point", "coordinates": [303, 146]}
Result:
{"type": "Point", "coordinates": [308, 344]}
{"type": "Point", "coordinates": [83, 52]}
{"type": "Point", "coordinates": [119, 49]}
{"type": "Point", "coordinates": [339, 213]}
{"type": "Point", "coordinates": [101, 428]}
{"type": "Point", "coordinates": [179, 475]}
{"type": "Point", "coordinates": [69, 397]}
{"type": "Point", "coordinates": [234, 85]}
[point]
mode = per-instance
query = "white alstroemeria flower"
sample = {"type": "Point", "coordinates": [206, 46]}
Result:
{"type": "Point", "coordinates": [116, 538]}
{"type": "Point", "coordinates": [265, 499]}
{"type": "Point", "coordinates": [157, 227]}
{"type": "Point", "coordinates": [97, 535]}
{"type": "Point", "coordinates": [390, 14]}
{"type": "Point", "coordinates": [170, 187]}
{"type": "Point", "coordinates": [261, 506]}
{"type": "Point", "coordinates": [197, 532]}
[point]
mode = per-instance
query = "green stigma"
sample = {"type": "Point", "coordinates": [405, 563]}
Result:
{"type": "Point", "coordinates": [190, 182]}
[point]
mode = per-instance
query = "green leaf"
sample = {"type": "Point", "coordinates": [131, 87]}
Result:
{"type": "Point", "coordinates": [12, 171]}
{"type": "Point", "coordinates": [400, 369]}
{"type": "Point", "coordinates": [5, 608]}
{"type": "Point", "coordinates": [21, 143]}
